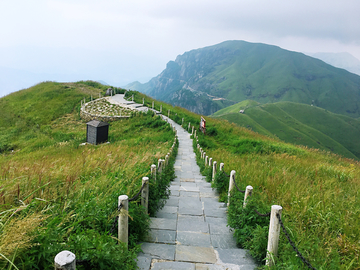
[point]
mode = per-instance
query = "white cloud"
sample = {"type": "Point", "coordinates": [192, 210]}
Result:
{"type": "Point", "coordinates": [134, 38]}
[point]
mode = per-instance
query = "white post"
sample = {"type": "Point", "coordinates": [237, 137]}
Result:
{"type": "Point", "coordinates": [221, 167]}
{"type": "Point", "coordinates": [189, 126]}
{"type": "Point", "coordinates": [99, 95]}
{"type": "Point", "coordinates": [65, 260]}
{"type": "Point", "coordinates": [231, 185]}
{"type": "Point", "coordinates": [153, 171]}
{"type": "Point", "coordinates": [161, 108]}
{"type": "Point", "coordinates": [182, 122]}
{"type": "Point", "coordinates": [214, 170]}
{"type": "Point", "coordinates": [210, 161]}
{"type": "Point", "coordinates": [153, 104]}
{"type": "Point", "coordinates": [168, 113]}
{"type": "Point", "coordinates": [195, 133]}
{"type": "Point", "coordinates": [206, 160]}
{"type": "Point", "coordinates": [204, 155]}
{"type": "Point", "coordinates": [274, 232]}
{"type": "Point", "coordinates": [248, 192]}
{"type": "Point", "coordinates": [145, 194]}
{"type": "Point", "coordinates": [132, 97]}
{"type": "Point", "coordinates": [160, 165]}
{"type": "Point", "coordinates": [123, 227]}
{"type": "Point", "coordinates": [166, 159]}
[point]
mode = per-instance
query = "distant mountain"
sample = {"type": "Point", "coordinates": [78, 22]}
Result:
{"type": "Point", "coordinates": [341, 60]}
{"type": "Point", "coordinates": [208, 79]}
{"type": "Point", "coordinates": [102, 82]}
{"type": "Point", "coordinates": [298, 124]}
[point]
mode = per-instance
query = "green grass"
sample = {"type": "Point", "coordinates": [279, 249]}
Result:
{"type": "Point", "coordinates": [57, 195]}
{"type": "Point", "coordinates": [63, 196]}
{"type": "Point", "coordinates": [300, 124]}
{"type": "Point", "coordinates": [317, 190]}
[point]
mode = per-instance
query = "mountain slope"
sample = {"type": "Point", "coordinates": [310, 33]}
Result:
{"type": "Point", "coordinates": [300, 124]}
{"type": "Point", "coordinates": [233, 71]}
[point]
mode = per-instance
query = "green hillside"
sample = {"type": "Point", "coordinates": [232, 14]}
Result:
{"type": "Point", "coordinates": [234, 71]}
{"type": "Point", "coordinates": [300, 124]}
{"type": "Point", "coordinates": [56, 194]}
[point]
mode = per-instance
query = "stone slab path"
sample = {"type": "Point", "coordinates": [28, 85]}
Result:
{"type": "Point", "coordinates": [190, 232]}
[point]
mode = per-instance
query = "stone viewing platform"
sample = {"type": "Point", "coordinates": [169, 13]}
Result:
{"type": "Point", "coordinates": [190, 232]}
{"type": "Point", "coordinates": [110, 108]}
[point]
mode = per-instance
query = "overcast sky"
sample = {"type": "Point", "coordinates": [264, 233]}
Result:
{"type": "Point", "coordinates": [120, 41]}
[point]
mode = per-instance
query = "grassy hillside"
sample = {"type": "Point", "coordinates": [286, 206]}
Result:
{"type": "Point", "coordinates": [56, 195]}
{"type": "Point", "coordinates": [300, 124]}
{"type": "Point", "coordinates": [63, 196]}
{"type": "Point", "coordinates": [318, 190]}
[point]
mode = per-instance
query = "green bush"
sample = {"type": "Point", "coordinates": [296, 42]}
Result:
{"type": "Point", "coordinates": [250, 228]}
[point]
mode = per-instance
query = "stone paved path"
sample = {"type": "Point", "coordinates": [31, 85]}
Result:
{"type": "Point", "coordinates": [190, 232]}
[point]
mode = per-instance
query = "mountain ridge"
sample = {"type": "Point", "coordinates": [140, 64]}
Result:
{"type": "Point", "coordinates": [233, 71]}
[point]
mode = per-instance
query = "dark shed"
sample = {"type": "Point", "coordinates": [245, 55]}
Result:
{"type": "Point", "coordinates": [97, 132]}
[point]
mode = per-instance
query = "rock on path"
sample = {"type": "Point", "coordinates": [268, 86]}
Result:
{"type": "Point", "coordinates": [190, 232]}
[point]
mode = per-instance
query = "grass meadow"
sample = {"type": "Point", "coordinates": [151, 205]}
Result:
{"type": "Point", "coordinates": [57, 195]}
{"type": "Point", "coordinates": [318, 190]}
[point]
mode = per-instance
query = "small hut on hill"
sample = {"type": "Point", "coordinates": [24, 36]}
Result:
{"type": "Point", "coordinates": [97, 132]}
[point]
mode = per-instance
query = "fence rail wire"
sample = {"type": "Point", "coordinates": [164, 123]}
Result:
{"type": "Point", "coordinates": [242, 191]}
{"type": "Point", "coordinates": [262, 215]}
{"type": "Point", "coordinates": [293, 245]}
{"type": "Point", "coordinates": [226, 174]}
{"type": "Point", "coordinates": [137, 194]}
{"type": "Point", "coordinates": [120, 206]}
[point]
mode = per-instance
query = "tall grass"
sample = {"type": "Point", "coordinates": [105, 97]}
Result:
{"type": "Point", "coordinates": [60, 195]}
{"type": "Point", "coordinates": [318, 191]}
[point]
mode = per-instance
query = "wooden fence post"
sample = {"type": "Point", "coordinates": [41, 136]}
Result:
{"type": "Point", "coordinates": [167, 159]}
{"type": "Point", "coordinates": [221, 167]}
{"type": "Point", "coordinates": [153, 171]}
{"type": "Point", "coordinates": [195, 133]}
{"type": "Point", "coordinates": [160, 108]}
{"type": "Point", "coordinates": [160, 165]}
{"type": "Point", "coordinates": [274, 232]}
{"type": "Point", "coordinates": [210, 161]}
{"type": "Point", "coordinates": [206, 160]}
{"type": "Point", "coordinates": [65, 260]}
{"type": "Point", "coordinates": [248, 192]}
{"type": "Point", "coordinates": [153, 105]}
{"type": "Point", "coordinates": [214, 170]}
{"type": "Point", "coordinates": [231, 185]}
{"type": "Point", "coordinates": [204, 155]}
{"type": "Point", "coordinates": [189, 126]}
{"type": "Point", "coordinates": [192, 130]}
{"type": "Point", "coordinates": [123, 227]}
{"type": "Point", "coordinates": [132, 97]}
{"type": "Point", "coordinates": [145, 194]}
